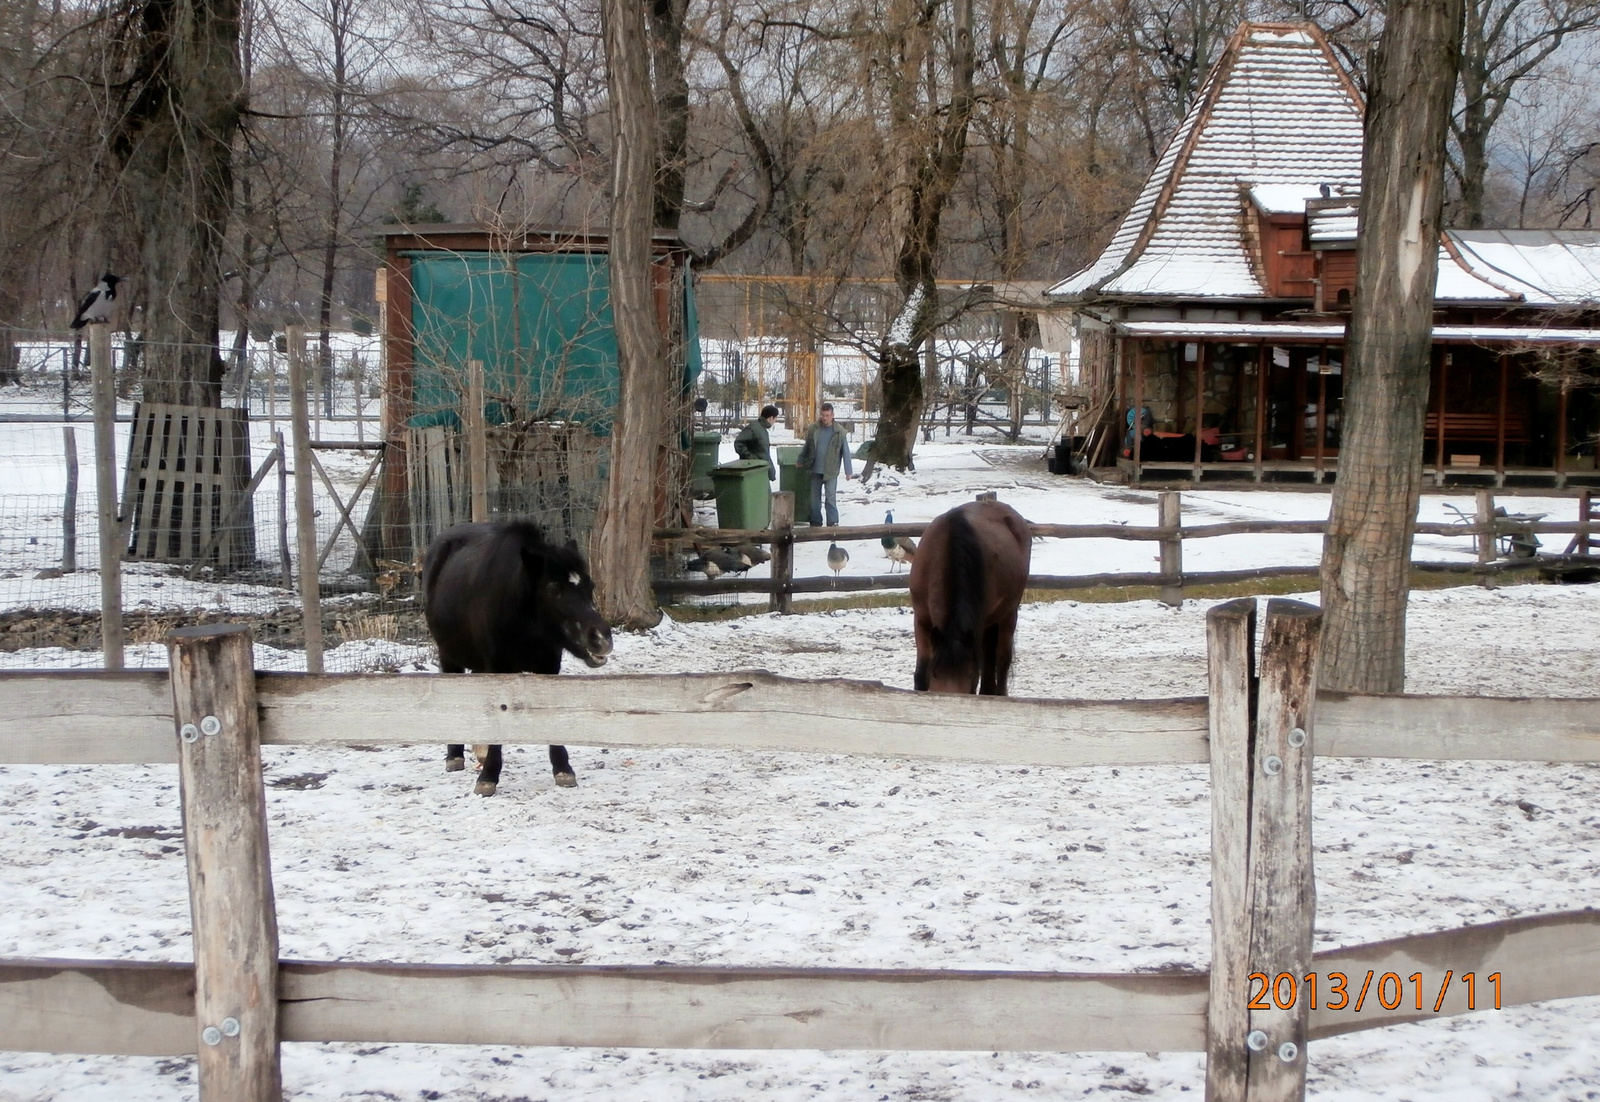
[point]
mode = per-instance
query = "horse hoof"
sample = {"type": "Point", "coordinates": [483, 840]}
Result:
{"type": "Point", "coordinates": [454, 765]}
{"type": "Point", "coordinates": [566, 780]}
{"type": "Point", "coordinates": [485, 788]}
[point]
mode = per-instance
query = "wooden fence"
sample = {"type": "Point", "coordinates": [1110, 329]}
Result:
{"type": "Point", "coordinates": [1170, 533]}
{"type": "Point", "coordinates": [1258, 730]}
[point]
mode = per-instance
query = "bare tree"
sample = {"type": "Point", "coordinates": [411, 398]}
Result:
{"type": "Point", "coordinates": [621, 545]}
{"type": "Point", "coordinates": [176, 94]}
{"type": "Point", "coordinates": [1505, 42]}
{"type": "Point", "coordinates": [1366, 557]}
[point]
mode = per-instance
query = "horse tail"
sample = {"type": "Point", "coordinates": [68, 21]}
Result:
{"type": "Point", "coordinates": [956, 642]}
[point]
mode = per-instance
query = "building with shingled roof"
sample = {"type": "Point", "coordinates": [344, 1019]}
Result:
{"type": "Point", "coordinates": [1221, 301]}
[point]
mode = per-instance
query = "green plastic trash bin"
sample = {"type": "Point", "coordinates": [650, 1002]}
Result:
{"type": "Point", "coordinates": [795, 481]}
{"type": "Point", "coordinates": [704, 452]}
{"type": "Point", "coordinates": [744, 499]}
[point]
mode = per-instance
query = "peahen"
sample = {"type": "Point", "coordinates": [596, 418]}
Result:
{"type": "Point", "coordinates": [899, 549]}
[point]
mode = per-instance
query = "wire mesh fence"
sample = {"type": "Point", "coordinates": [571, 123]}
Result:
{"type": "Point", "coordinates": [49, 547]}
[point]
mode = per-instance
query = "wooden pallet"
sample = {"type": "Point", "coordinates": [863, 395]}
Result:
{"type": "Point", "coordinates": [187, 468]}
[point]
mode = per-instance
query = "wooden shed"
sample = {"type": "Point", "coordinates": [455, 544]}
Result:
{"type": "Point", "coordinates": [522, 319]}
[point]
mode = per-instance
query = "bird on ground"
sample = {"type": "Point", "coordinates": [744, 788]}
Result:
{"type": "Point", "coordinates": [97, 304]}
{"type": "Point", "coordinates": [837, 558]}
{"type": "Point", "coordinates": [899, 549]}
{"type": "Point", "coordinates": [714, 564]}
{"type": "Point", "coordinates": [751, 553]}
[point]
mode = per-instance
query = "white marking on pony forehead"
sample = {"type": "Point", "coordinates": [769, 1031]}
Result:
{"type": "Point", "coordinates": [574, 578]}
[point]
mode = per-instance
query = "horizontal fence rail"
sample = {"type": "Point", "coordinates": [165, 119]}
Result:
{"type": "Point", "coordinates": [74, 717]}
{"type": "Point", "coordinates": [781, 585]}
{"type": "Point", "coordinates": [147, 1009]}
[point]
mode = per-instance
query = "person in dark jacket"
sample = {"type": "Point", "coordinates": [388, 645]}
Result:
{"type": "Point", "coordinates": [753, 441]}
{"type": "Point", "coordinates": [825, 451]}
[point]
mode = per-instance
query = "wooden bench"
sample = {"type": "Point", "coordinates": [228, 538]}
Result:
{"type": "Point", "coordinates": [1477, 427]}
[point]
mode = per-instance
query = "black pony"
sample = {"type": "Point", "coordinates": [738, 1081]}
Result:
{"type": "Point", "coordinates": [499, 599]}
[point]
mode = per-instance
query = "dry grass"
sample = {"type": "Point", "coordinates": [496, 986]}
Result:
{"type": "Point", "coordinates": [369, 625]}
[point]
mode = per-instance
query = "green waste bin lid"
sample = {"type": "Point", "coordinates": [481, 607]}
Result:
{"type": "Point", "coordinates": [789, 453]}
{"type": "Point", "coordinates": [738, 467]}
{"type": "Point", "coordinates": [708, 438]}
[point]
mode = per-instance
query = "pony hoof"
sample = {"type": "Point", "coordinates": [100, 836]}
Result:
{"type": "Point", "coordinates": [454, 765]}
{"type": "Point", "coordinates": [485, 788]}
{"type": "Point", "coordinates": [566, 780]}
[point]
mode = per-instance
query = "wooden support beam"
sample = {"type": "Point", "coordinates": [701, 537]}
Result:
{"type": "Point", "coordinates": [69, 508]}
{"type": "Point", "coordinates": [1230, 659]}
{"type": "Point", "coordinates": [305, 511]}
{"type": "Point", "coordinates": [477, 442]}
{"type": "Point", "coordinates": [1485, 538]}
{"type": "Point", "coordinates": [1283, 891]}
{"type": "Point", "coordinates": [1138, 409]}
{"type": "Point", "coordinates": [1170, 519]}
{"type": "Point", "coordinates": [1500, 422]}
{"type": "Point", "coordinates": [230, 875]}
{"type": "Point", "coordinates": [1442, 359]}
{"type": "Point", "coordinates": [1263, 365]}
{"type": "Point", "coordinates": [103, 381]}
{"type": "Point", "coordinates": [782, 598]}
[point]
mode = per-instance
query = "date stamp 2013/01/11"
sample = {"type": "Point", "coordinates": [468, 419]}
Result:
{"type": "Point", "coordinates": [1285, 989]}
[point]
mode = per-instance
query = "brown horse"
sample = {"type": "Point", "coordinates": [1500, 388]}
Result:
{"type": "Point", "coordinates": [966, 585]}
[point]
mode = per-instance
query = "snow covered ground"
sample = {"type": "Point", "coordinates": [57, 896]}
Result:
{"type": "Point", "coordinates": [693, 857]}
{"type": "Point", "coordinates": [763, 859]}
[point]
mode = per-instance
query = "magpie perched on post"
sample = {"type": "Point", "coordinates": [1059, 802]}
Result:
{"type": "Point", "coordinates": [97, 304]}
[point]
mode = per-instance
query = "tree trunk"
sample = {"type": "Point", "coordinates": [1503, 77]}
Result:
{"type": "Point", "coordinates": [621, 547]}
{"type": "Point", "coordinates": [665, 27]}
{"type": "Point", "coordinates": [173, 146]}
{"type": "Point", "coordinates": [1366, 558]}
{"type": "Point", "coordinates": [930, 170]}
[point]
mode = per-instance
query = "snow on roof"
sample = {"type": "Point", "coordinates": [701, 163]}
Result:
{"type": "Point", "coordinates": [1286, 198]}
{"type": "Point", "coordinates": [1276, 111]}
{"type": "Point", "coordinates": [1333, 225]}
{"type": "Point", "coordinates": [1547, 267]}
{"type": "Point", "coordinates": [1315, 332]}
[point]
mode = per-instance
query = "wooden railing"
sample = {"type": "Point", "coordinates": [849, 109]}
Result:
{"type": "Point", "coordinates": [237, 1002]}
{"type": "Point", "coordinates": [1485, 529]}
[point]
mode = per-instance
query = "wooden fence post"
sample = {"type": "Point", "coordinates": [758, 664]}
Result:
{"type": "Point", "coordinates": [1230, 658]}
{"type": "Point", "coordinates": [305, 515]}
{"type": "Point", "coordinates": [69, 508]}
{"type": "Point", "coordinates": [1283, 891]}
{"type": "Point", "coordinates": [782, 552]}
{"type": "Point", "coordinates": [283, 509]}
{"type": "Point", "coordinates": [1170, 514]}
{"type": "Point", "coordinates": [230, 876]}
{"type": "Point", "coordinates": [477, 442]}
{"type": "Point", "coordinates": [1486, 534]}
{"type": "Point", "coordinates": [103, 379]}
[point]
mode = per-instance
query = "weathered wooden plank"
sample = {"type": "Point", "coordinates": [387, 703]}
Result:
{"type": "Point", "coordinates": [750, 710]}
{"type": "Point", "coordinates": [782, 552]}
{"type": "Point", "coordinates": [1283, 891]}
{"type": "Point", "coordinates": [233, 916]}
{"type": "Point", "coordinates": [113, 1008]}
{"type": "Point", "coordinates": [744, 1008]}
{"type": "Point", "coordinates": [147, 1008]}
{"type": "Point", "coordinates": [1455, 728]}
{"type": "Point", "coordinates": [1230, 650]}
{"type": "Point", "coordinates": [1537, 959]}
{"type": "Point", "coordinates": [103, 379]}
{"type": "Point", "coordinates": [86, 717]}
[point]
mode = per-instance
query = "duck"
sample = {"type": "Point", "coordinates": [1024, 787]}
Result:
{"type": "Point", "coordinates": [898, 549]}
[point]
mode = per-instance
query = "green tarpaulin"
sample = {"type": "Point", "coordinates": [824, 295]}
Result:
{"type": "Point", "coordinates": [540, 323]}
